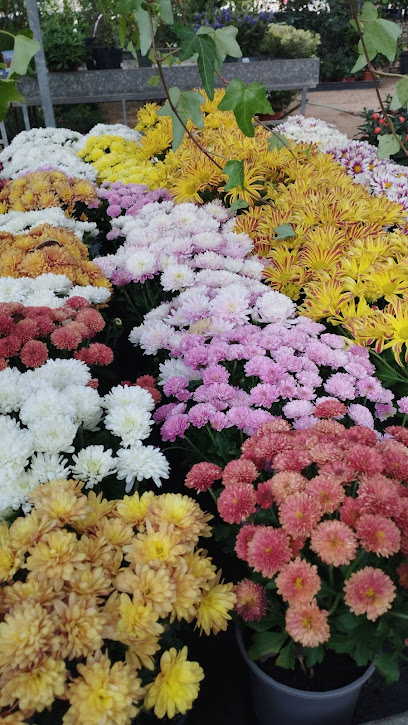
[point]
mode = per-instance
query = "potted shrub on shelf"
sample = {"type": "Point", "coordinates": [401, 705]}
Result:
{"type": "Point", "coordinates": [252, 26]}
{"type": "Point", "coordinates": [320, 517]}
{"type": "Point", "coordinates": [104, 46]}
{"type": "Point", "coordinates": [64, 37]}
{"type": "Point", "coordinates": [285, 41]}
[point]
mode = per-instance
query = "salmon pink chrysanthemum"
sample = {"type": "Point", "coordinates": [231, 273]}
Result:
{"type": "Point", "coordinates": [298, 582]}
{"type": "Point", "coordinates": [299, 514]}
{"type": "Point", "coordinates": [378, 495]}
{"type": "Point", "coordinates": [34, 353]}
{"type": "Point", "coordinates": [350, 511]}
{"type": "Point", "coordinates": [292, 460]}
{"type": "Point", "coordinates": [268, 550]}
{"type": "Point", "coordinates": [308, 624]}
{"type": "Point", "coordinates": [251, 600]}
{"type": "Point", "coordinates": [65, 339]}
{"type": "Point", "coordinates": [334, 542]}
{"type": "Point", "coordinates": [236, 502]}
{"type": "Point", "coordinates": [369, 591]}
{"type": "Point", "coordinates": [286, 483]}
{"type": "Point", "coordinates": [202, 476]}
{"type": "Point", "coordinates": [364, 459]}
{"type": "Point", "coordinates": [398, 433]}
{"type": "Point", "coordinates": [329, 492]}
{"type": "Point", "coordinates": [239, 471]}
{"type": "Point", "coordinates": [264, 495]}
{"type": "Point", "coordinates": [378, 534]}
{"type": "Point", "coordinates": [330, 409]}
{"type": "Point", "coordinates": [244, 536]}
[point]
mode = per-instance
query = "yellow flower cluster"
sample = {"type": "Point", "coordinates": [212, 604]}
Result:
{"type": "Point", "coordinates": [48, 249]}
{"type": "Point", "coordinates": [79, 572]}
{"type": "Point", "coordinates": [44, 189]}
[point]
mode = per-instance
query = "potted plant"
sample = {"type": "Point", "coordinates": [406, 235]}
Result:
{"type": "Point", "coordinates": [252, 26]}
{"type": "Point", "coordinates": [64, 37]}
{"type": "Point", "coordinates": [320, 517]}
{"type": "Point", "coordinates": [279, 101]}
{"type": "Point", "coordinates": [104, 46]}
{"type": "Point", "coordinates": [285, 41]}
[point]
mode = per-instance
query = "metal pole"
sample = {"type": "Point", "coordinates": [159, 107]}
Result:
{"type": "Point", "coordinates": [40, 63]}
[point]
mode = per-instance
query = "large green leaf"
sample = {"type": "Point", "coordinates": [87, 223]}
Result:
{"type": "Point", "coordinates": [143, 22]}
{"type": "Point", "coordinates": [245, 100]}
{"type": "Point", "coordinates": [286, 657]}
{"type": "Point", "coordinates": [226, 43]}
{"type": "Point", "coordinates": [24, 49]}
{"type": "Point", "coordinates": [201, 44]}
{"type": "Point", "coordinates": [8, 94]}
{"type": "Point", "coordinates": [266, 643]}
{"type": "Point", "coordinates": [384, 35]}
{"type": "Point", "coordinates": [235, 172]}
{"type": "Point", "coordinates": [187, 105]}
{"type": "Point", "coordinates": [166, 12]}
{"type": "Point", "coordinates": [387, 663]}
{"type": "Point", "coordinates": [369, 11]}
{"type": "Point", "coordinates": [387, 145]}
{"type": "Point", "coordinates": [402, 91]}
{"type": "Point", "coordinates": [126, 6]}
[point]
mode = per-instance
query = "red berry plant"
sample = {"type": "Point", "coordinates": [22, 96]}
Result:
{"type": "Point", "coordinates": [320, 518]}
{"type": "Point", "coordinates": [376, 125]}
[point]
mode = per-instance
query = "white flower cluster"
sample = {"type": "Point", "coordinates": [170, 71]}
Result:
{"type": "Point", "coordinates": [110, 129]}
{"type": "Point", "coordinates": [51, 404]}
{"type": "Point", "coordinates": [48, 290]}
{"type": "Point", "coordinates": [44, 147]}
{"type": "Point", "coordinates": [312, 130]}
{"type": "Point", "coordinates": [18, 222]}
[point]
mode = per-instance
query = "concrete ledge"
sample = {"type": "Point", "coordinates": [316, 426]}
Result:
{"type": "Point", "coordinates": [401, 719]}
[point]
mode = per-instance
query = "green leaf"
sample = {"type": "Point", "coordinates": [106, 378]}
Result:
{"type": "Point", "coordinates": [226, 43]}
{"type": "Point", "coordinates": [24, 49]}
{"type": "Point", "coordinates": [395, 102]}
{"type": "Point", "coordinates": [238, 204]}
{"type": "Point", "coordinates": [124, 7]}
{"type": "Point", "coordinates": [369, 11]}
{"type": "Point", "coordinates": [383, 35]}
{"type": "Point", "coordinates": [8, 94]}
{"type": "Point", "coordinates": [143, 22]}
{"type": "Point", "coordinates": [283, 231]}
{"type": "Point", "coordinates": [387, 663]}
{"type": "Point", "coordinates": [154, 81]}
{"type": "Point", "coordinates": [166, 12]}
{"type": "Point", "coordinates": [276, 141]}
{"type": "Point", "coordinates": [402, 91]}
{"type": "Point", "coordinates": [235, 172]}
{"type": "Point", "coordinates": [266, 643]}
{"type": "Point", "coordinates": [205, 47]}
{"type": "Point", "coordinates": [387, 145]}
{"type": "Point", "coordinates": [359, 64]}
{"type": "Point", "coordinates": [187, 105]}
{"type": "Point", "coordinates": [245, 100]}
{"type": "Point", "coordinates": [286, 657]}
{"type": "Point", "coordinates": [188, 41]}
{"type": "Point", "coordinates": [122, 30]}
{"type": "Point", "coordinates": [313, 655]}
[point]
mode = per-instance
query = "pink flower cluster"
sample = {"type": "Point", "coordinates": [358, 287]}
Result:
{"type": "Point", "coordinates": [30, 335]}
{"type": "Point", "coordinates": [128, 199]}
{"type": "Point", "coordinates": [248, 376]}
{"type": "Point", "coordinates": [301, 502]}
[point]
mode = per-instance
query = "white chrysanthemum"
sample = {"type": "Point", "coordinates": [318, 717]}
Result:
{"type": "Point", "coordinates": [58, 283]}
{"type": "Point", "coordinates": [124, 396]}
{"type": "Point", "coordinates": [155, 336]}
{"type": "Point", "coordinates": [253, 268]}
{"type": "Point", "coordinates": [141, 462]}
{"type": "Point", "coordinates": [44, 298]}
{"type": "Point", "coordinates": [93, 464]}
{"type": "Point", "coordinates": [141, 264]}
{"type": "Point", "coordinates": [15, 491]}
{"type": "Point", "coordinates": [54, 434]}
{"type": "Point", "coordinates": [46, 403]}
{"type": "Point", "coordinates": [129, 425]}
{"type": "Point", "coordinates": [176, 368]}
{"type": "Point", "coordinates": [87, 404]}
{"type": "Point", "coordinates": [176, 277]}
{"type": "Point", "coordinates": [10, 396]}
{"type": "Point", "coordinates": [231, 303]}
{"type": "Point", "coordinates": [17, 222]}
{"type": "Point", "coordinates": [16, 447]}
{"type": "Point", "coordinates": [49, 466]}
{"type": "Point", "coordinates": [95, 295]}
{"type": "Point", "coordinates": [61, 373]}
{"type": "Point", "coordinates": [12, 290]}
{"type": "Point", "coordinates": [273, 306]}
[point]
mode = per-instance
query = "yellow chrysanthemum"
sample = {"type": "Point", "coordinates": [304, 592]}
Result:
{"type": "Point", "coordinates": [26, 634]}
{"type": "Point", "coordinates": [98, 507]}
{"type": "Point", "coordinates": [183, 513]}
{"type": "Point", "coordinates": [45, 189]}
{"type": "Point", "coordinates": [176, 686]}
{"type": "Point", "coordinates": [133, 508]}
{"type": "Point", "coordinates": [60, 500]}
{"type": "Point", "coordinates": [36, 688]}
{"type": "Point", "coordinates": [136, 620]}
{"type": "Point", "coordinates": [81, 626]}
{"type": "Point", "coordinates": [216, 603]}
{"type": "Point", "coordinates": [55, 557]}
{"type": "Point", "coordinates": [155, 547]}
{"type": "Point", "coordinates": [150, 586]}
{"type": "Point", "coordinates": [10, 560]}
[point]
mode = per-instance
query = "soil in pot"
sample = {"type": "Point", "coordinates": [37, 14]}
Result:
{"type": "Point", "coordinates": [335, 671]}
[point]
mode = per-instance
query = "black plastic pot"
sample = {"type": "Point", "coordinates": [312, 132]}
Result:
{"type": "Point", "coordinates": [103, 58]}
{"type": "Point", "coordinates": [143, 61]}
{"type": "Point", "coordinates": [404, 62]}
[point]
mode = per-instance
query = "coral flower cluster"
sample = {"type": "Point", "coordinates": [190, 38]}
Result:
{"type": "Point", "coordinates": [320, 517]}
{"type": "Point", "coordinates": [81, 575]}
{"type": "Point", "coordinates": [43, 189]}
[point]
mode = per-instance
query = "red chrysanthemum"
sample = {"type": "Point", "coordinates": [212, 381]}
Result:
{"type": "Point", "coordinates": [6, 323]}
{"type": "Point", "coordinates": [202, 476]}
{"type": "Point", "coordinates": [251, 600]}
{"type": "Point", "coordinates": [80, 328]}
{"type": "Point", "coordinates": [343, 472]}
{"type": "Point", "coordinates": [97, 354]}
{"type": "Point", "coordinates": [398, 433]}
{"type": "Point", "coordinates": [308, 624]}
{"type": "Point", "coordinates": [350, 511]}
{"type": "Point", "coordinates": [268, 550]}
{"type": "Point", "coordinates": [60, 314]}
{"type": "Point", "coordinates": [34, 353]}
{"type": "Point", "coordinates": [334, 542]}
{"type": "Point", "coordinates": [9, 346]}
{"type": "Point", "coordinates": [364, 459]}
{"type": "Point", "coordinates": [239, 471]}
{"type": "Point", "coordinates": [263, 449]}
{"type": "Point", "coordinates": [328, 491]}
{"type": "Point", "coordinates": [77, 302]}
{"type": "Point", "coordinates": [361, 434]}
{"type": "Point", "coordinates": [330, 409]}
{"type": "Point", "coordinates": [286, 483]}
{"type": "Point", "coordinates": [378, 534]}
{"type": "Point", "coordinates": [146, 380]}
{"type": "Point", "coordinates": [292, 460]}
{"type": "Point", "coordinates": [91, 318]}
{"type": "Point", "coordinates": [65, 339]}
{"type": "Point", "coordinates": [236, 502]}
{"type": "Point", "coordinates": [402, 572]}
{"type": "Point", "coordinates": [298, 582]}
{"type": "Point", "coordinates": [369, 591]}
{"type": "Point", "coordinates": [264, 495]}
{"type": "Point", "coordinates": [244, 536]}
{"type": "Point", "coordinates": [299, 514]}
{"type": "Point", "coordinates": [26, 329]}
{"type": "Point", "coordinates": [297, 545]}
{"type": "Point", "coordinates": [44, 322]}
{"type": "Point", "coordinates": [395, 456]}
{"type": "Point", "coordinates": [379, 495]}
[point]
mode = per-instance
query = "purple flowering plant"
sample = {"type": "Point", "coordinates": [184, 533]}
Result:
{"type": "Point", "coordinates": [252, 25]}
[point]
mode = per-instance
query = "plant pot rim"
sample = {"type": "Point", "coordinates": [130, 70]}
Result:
{"type": "Point", "coordinates": [301, 694]}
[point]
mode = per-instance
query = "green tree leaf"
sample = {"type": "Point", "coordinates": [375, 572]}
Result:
{"type": "Point", "coordinates": [402, 91]}
{"type": "Point", "coordinates": [226, 43]}
{"type": "Point", "coordinates": [24, 49]}
{"type": "Point", "coordinates": [369, 11]}
{"type": "Point", "coordinates": [283, 231]}
{"type": "Point", "coordinates": [187, 105]}
{"type": "Point", "coordinates": [266, 643]}
{"type": "Point", "coordinates": [154, 81]}
{"type": "Point", "coordinates": [276, 141]}
{"type": "Point", "coordinates": [387, 145]}
{"type": "Point", "coordinates": [143, 22]}
{"type": "Point", "coordinates": [124, 7]}
{"type": "Point", "coordinates": [359, 64]}
{"type": "Point", "coordinates": [166, 12]}
{"type": "Point", "coordinates": [8, 94]}
{"type": "Point", "coordinates": [238, 204]}
{"type": "Point", "coordinates": [384, 35]}
{"type": "Point", "coordinates": [245, 100]}
{"type": "Point", "coordinates": [206, 58]}
{"type": "Point", "coordinates": [235, 172]}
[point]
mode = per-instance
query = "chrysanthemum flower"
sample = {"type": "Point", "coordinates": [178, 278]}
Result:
{"type": "Point", "coordinates": [369, 591]}
{"type": "Point", "coordinates": [237, 502]}
{"type": "Point", "coordinates": [103, 693]}
{"type": "Point", "coordinates": [215, 606]}
{"type": "Point", "coordinates": [329, 492]}
{"type": "Point", "coordinates": [152, 586]}
{"type": "Point", "coordinates": [25, 635]}
{"type": "Point", "coordinates": [55, 557]}
{"type": "Point", "coordinates": [60, 500]}
{"type": "Point", "coordinates": [334, 542]}
{"type": "Point", "coordinates": [133, 508]}
{"type": "Point", "coordinates": [202, 476]}
{"type": "Point", "coordinates": [81, 626]}
{"type": "Point", "coordinates": [378, 494]}
{"type": "Point", "coordinates": [65, 339]}
{"type": "Point", "coordinates": [34, 353]}
{"type": "Point", "coordinates": [264, 495]}
{"type": "Point", "coordinates": [176, 686]}
{"type": "Point", "coordinates": [136, 620]}
{"type": "Point", "coordinates": [285, 483]}
{"type": "Point", "coordinates": [183, 513]}
{"type": "Point", "coordinates": [292, 460]}
{"type": "Point", "coordinates": [159, 547]}
{"type": "Point", "coordinates": [378, 534]}
{"type": "Point", "coordinates": [244, 536]}
{"type": "Point", "coordinates": [330, 409]}
{"type": "Point", "coordinates": [35, 689]}
{"type": "Point", "coordinates": [187, 593]}
{"type": "Point", "coordinates": [268, 550]}
{"type": "Point", "coordinates": [239, 471]}
{"type": "Point", "coordinates": [364, 459]}
{"type": "Point", "coordinates": [402, 572]}
{"type": "Point", "coordinates": [299, 513]}
{"type": "Point", "coordinates": [251, 600]}
{"type": "Point", "coordinates": [350, 511]}
{"type": "Point", "coordinates": [308, 624]}
{"type": "Point", "coordinates": [298, 582]}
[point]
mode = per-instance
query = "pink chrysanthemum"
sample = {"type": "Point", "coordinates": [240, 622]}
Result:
{"type": "Point", "coordinates": [268, 550]}
{"type": "Point", "coordinates": [344, 473]}
{"type": "Point", "coordinates": [264, 495]}
{"type": "Point", "coordinates": [239, 471]}
{"type": "Point", "coordinates": [202, 476]}
{"type": "Point", "coordinates": [286, 483]}
{"type": "Point", "coordinates": [364, 459]}
{"type": "Point", "coordinates": [398, 433]}
{"type": "Point", "coordinates": [65, 339]}
{"type": "Point", "coordinates": [292, 460]}
{"type": "Point", "coordinates": [361, 435]}
{"type": "Point", "coordinates": [91, 318]}
{"type": "Point", "coordinates": [251, 600]}
{"type": "Point", "coordinates": [328, 491]}
{"type": "Point", "coordinates": [244, 536]}
{"type": "Point", "coordinates": [297, 545]}
{"type": "Point", "coordinates": [299, 514]}
{"type": "Point", "coordinates": [10, 345]}
{"type": "Point", "coordinates": [402, 572]}
{"type": "Point", "coordinates": [26, 329]}
{"type": "Point", "coordinates": [308, 624]}
{"type": "Point", "coordinates": [378, 534]}
{"type": "Point", "coordinates": [298, 582]}
{"type": "Point", "coordinates": [330, 409]}
{"type": "Point", "coordinates": [395, 456]}
{"type": "Point", "coordinates": [334, 542]}
{"type": "Point", "coordinates": [76, 302]}
{"type": "Point", "coordinates": [322, 453]}
{"type": "Point", "coordinates": [379, 495]}
{"type": "Point", "coordinates": [350, 511]}
{"type": "Point", "coordinates": [330, 428]}
{"type": "Point", "coordinates": [369, 591]}
{"type": "Point", "coordinates": [34, 353]}
{"type": "Point", "coordinates": [236, 502]}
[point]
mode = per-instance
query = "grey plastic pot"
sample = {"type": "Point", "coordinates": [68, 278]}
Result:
{"type": "Point", "coordinates": [277, 704]}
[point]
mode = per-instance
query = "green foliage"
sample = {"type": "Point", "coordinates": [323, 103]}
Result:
{"type": "Point", "coordinates": [245, 100]}
{"type": "Point", "coordinates": [375, 128]}
{"type": "Point", "coordinates": [265, 644]}
{"type": "Point", "coordinates": [64, 41]}
{"type": "Point", "coordinates": [379, 36]}
{"type": "Point", "coordinates": [202, 46]}
{"type": "Point", "coordinates": [24, 50]}
{"type": "Point", "coordinates": [387, 145]}
{"type": "Point", "coordinates": [280, 100]}
{"type": "Point", "coordinates": [187, 105]}
{"type": "Point", "coordinates": [285, 41]}
{"type": "Point", "coordinates": [235, 172]}
{"type": "Point", "coordinates": [81, 117]}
